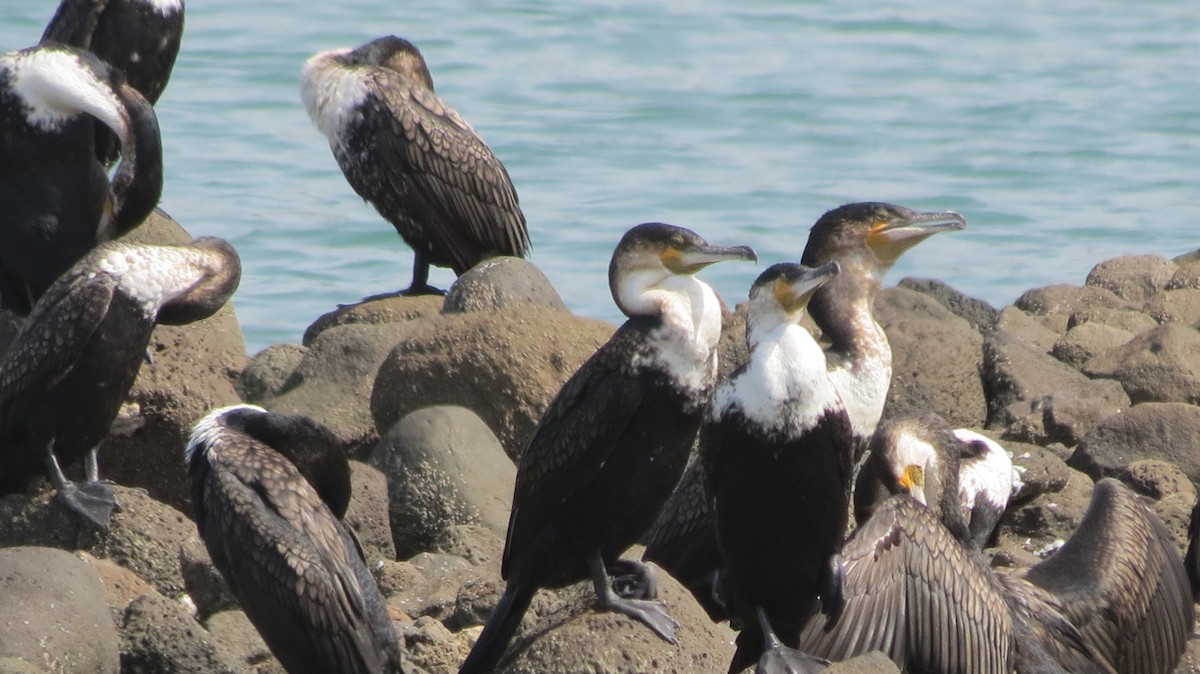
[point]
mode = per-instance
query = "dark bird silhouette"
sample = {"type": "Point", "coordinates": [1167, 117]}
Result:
{"type": "Point", "coordinates": [139, 37]}
{"type": "Point", "coordinates": [611, 445]}
{"type": "Point", "coordinates": [70, 367]}
{"type": "Point", "coordinates": [413, 157]}
{"type": "Point", "coordinates": [277, 539]}
{"type": "Point", "coordinates": [58, 200]}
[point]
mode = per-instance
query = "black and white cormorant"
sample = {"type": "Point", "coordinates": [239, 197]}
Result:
{"type": "Point", "coordinates": [58, 202]}
{"type": "Point", "coordinates": [278, 540]}
{"type": "Point", "coordinates": [986, 482]}
{"type": "Point", "coordinates": [865, 239]}
{"type": "Point", "coordinates": [613, 442]}
{"type": "Point", "coordinates": [1113, 598]}
{"type": "Point", "coordinates": [70, 367]}
{"type": "Point", "coordinates": [139, 37]}
{"type": "Point", "coordinates": [778, 453]}
{"type": "Point", "coordinates": [413, 157]}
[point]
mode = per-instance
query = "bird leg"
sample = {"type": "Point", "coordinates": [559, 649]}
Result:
{"type": "Point", "coordinates": [94, 500]}
{"type": "Point", "coordinates": [632, 579]}
{"type": "Point", "coordinates": [777, 658]}
{"type": "Point", "coordinates": [833, 598]}
{"type": "Point", "coordinates": [420, 280]}
{"type": "Point", "coordinates": [652, 613]}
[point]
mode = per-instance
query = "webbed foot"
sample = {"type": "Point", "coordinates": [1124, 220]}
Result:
{"type": "Point", "coordinates": [95, 501]}
{"type": "Point", "coordinates": [632, 579]}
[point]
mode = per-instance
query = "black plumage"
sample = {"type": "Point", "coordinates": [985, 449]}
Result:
{"type": "Point", "coordinates": [613, 442]}
{"type": "Point", "coordinates": [413, 157]}
{"type": "Point", "coordinates": [296, 569]}
{"type": "Point", "coordinates": [58, 200]}
{"type": "Point", "coordinates": [70, 367]}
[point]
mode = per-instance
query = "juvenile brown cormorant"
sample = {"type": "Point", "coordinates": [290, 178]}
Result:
{"type": "Point", "coordinates": [612, 443]}
{"type": "Point", "coordinates": [413, 157]}
{"type": "Point", "coordinates": [778, 453]}
{"type": "Point", "coordinates": [1112, 599]}
{"type": "Point", "coordinates": [140, 37]}
{"type": "Point", "coordinates": [866, 239]}
{"type": "Point", "coordinates": [278, 541]}
{"type": "Point", "coordinates": [70, 367]}
{"type": "Point", "coordinates": [58, 202]}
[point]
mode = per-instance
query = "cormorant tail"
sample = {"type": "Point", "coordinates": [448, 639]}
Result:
{"type": "Point", "coordinates": [499, 629]}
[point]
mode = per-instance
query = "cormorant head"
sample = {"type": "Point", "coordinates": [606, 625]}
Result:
{"type": "Point", "coordinates": [873, 234]}
{"type": "Point", "coordinates": [780, 294]}
{"type": "Point", "coordinates": [651, 253]}
{"type": "Point", "coordinates": [222, 273]}
{"type": "Point", "coordinates": [394, 53]}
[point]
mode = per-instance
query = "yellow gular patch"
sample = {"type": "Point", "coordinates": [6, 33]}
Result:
{"type": "Point", "coordinates": [787, 299]}
{"type": "Point", "coordinates": [672, 259]}
{"type": "Point", "coordinates": [913, 476]}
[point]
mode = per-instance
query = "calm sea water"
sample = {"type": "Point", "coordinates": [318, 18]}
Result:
{"type": "Point", "coordinates": [1065, 132]}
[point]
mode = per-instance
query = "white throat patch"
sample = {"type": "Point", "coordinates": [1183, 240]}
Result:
{"type": "Point", "coordinates": [54, 86]}
{"type": "Point", "coordinates": [332, 92]}
{"type": "Point", "coordinates": [990, 477]}
{"type": "Point", "coordinates": [686, 343]}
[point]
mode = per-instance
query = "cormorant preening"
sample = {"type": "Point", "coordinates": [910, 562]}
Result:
{"type": "Point", "coordinates": [277, 539]}
{"type": "Point", "coordinates": [58, 201]}
{"type": "Point", "coordinates": [139, 37]}
{"type": "Point", "coordinates": [986, 482]}
{"type": "Point", "coordinates": [613, 442]}
{"type": "Point", "coordinates": [778, 454]}
{"type": "Point", "coordinates": [413, 157]}
{"type": "Point", "coordinates": [865, 239]}
{"type": "Point", "coordinates": [1114, 598]}
{"type": "Point", "coordinates": [69, 368]}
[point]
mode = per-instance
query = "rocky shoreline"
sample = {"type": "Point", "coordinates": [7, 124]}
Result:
{"type": "Point", "coordinates": [433, 399]}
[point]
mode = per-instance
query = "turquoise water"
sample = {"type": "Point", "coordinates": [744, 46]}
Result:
{"type": "Point", "coordinates": [1065, 134]}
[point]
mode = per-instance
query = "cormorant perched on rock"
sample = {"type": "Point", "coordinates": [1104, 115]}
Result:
{"type": "Point", "coordinates": [1114, 598]}
{"type": "Point", "coordinates": [70, 367]}
{"type": "Point", "coordinates": [278, 540]}
{"type": "Point", "coordinates": [139, 37]}
{"type": "Point", "coordinates": [986, 482]}
{"type": "Point", "coordinates": [865, 239]}
{"type": "Point", "coordinates": [613, 442]}
{"type": "Point", "coordinates": [413, 157]}
{"type": "Point", "coordinates": [778, 454]}
{"type": "Point", "coordinates": [58, 202]}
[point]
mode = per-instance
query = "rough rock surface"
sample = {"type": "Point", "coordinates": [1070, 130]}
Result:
{"type": "Point", "coordinates": [268, 371]}
{"type": "Point", "coordinates": [1026, 328]}
{"type": "Point", "coordinates": [55, 613]}
{"type": "Point", "coordinates": [1133, 277]}
{"type": "Point", "coordinates": [158, 635]}
{"type": "Point", "coordinates": [368, 512]}
{"type": "Point", "coordinates": [981, 315]}
{"type": "Point", "coordinates": [505, 366]}
{"type": "Point", "coordinates": [202, 580]}
{"type": "Point", "coordinates": [1086, 341]}
{"type": "Point", "coordinates": [1124, 319]}
{"type": "Point", "coordinates": [1166, 431]}
{"type": "Point", "coordinates": [393, 309]}
{"type": "Point", "coordinates": [242, 643]}
{"type": "Point", "coordinates": [1058, 302]}
{"type": "Point", "coordinates": [1068, 414]}
{"type": "Point", "coordinates": [1159, 365]}
{"type": "Point", "coordinates": [501, 283]}
{"type": "Point", "coordinates": [444, 467]}
{"type": "Point", "coordinates": [121, 586]}
{"type": "Point", "coordinates": [1177, 306]}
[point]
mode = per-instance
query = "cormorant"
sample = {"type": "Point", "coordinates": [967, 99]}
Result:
{"type": "Point", "coordinates": [778, 454]}
{"type": "Point", "coordinates": [58, 200]}
{"type": "Point", "coordinates": [986, 482]}
{"type": "Point", "coordinates": [278, 540]}
{"type": "Point", "coordinates": [139, 37]}
{"type": "Point", "coordinates": [866, 239]}
{"type": "Point", "coordinates": [1113, 598]}
{"type": "Point", "coordinates": [612, 443]}
{"type": "Point", "coordinates": [67, 371]}
{"type": "Point", "coordinates": [413, 157]}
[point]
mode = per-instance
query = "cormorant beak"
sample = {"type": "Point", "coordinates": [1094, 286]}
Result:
{"type": "Point", "coordinates": [913, 481]}
{"type": "Point", "coordinates": [889, 239]}
{"type": "Point", "coordinates": [794, 296]}
{"type": "Point", "coordinates": [692, 260]}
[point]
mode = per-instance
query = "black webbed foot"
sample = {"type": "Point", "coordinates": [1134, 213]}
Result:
{"type": "Point", "coordinates": [778, 658]}
{"type": "Point", "coordinates": [95, 501]}
{"type": "Point", "coordinates": [632, 579]}
{"type": "Point", "coordinates": [652, 613]}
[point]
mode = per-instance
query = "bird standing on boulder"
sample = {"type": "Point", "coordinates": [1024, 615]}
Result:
{"type": "Point", "coordinates": [413, 157]}
{"type": "Point", "coordinates": [613, 442]}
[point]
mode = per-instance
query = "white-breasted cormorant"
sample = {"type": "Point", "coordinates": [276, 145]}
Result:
{"type": "Point", "coordinates": [613, 442]}
{"type": "Point", "coordinates": [58, 200]}
{"type": "Point", "coordinates": [986, 482]}
{"type": "Point", "coordinates": [139, 37]}
{"type": "Point", "coordinates": [778, 454]}
{"type": "Point", "coordinates": [278, 540]}
{"type": "Point", "coordinates": [413, 157]}
{"type": "Point", "coordinates": [865, 239]}
{"type": "Point", "coordinates": [69, 368]}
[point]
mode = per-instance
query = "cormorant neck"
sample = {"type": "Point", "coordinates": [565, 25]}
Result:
{"type": "Point", "coordinates": [842, 309]}
{"type": "Point", "coordinates": [685, 343]}
{"type": "Point", "coordinates": [222, 271]}
{"type": "Point", "coordinates": [137, 182]}
{"type": "Point", "coordinates": [332, 91]}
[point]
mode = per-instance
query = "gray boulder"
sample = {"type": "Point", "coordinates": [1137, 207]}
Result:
{"type": "Point", "coordinates": [501, 283]}
{"type": "Point", "coordinates": [505, 366]}
{"type": "Point", "coordinates": [202, 580]}
{"type": "Point", "coordinates": [1069, 413]}
{"type": "Point", "coordinates": [241, 642]}
{"type": "Point", "coordinates": [444, 467]}
{"type": "Point", "coordinates": [1133, 277]}
{"type": "Point", "coordinates": [158, 636]}
{"type": "Point", "coordinates": [368, 512]}
{"type": "Point", "coordinates": [1159, 365]}
{"type": "Point", "coordinates": [1051, 517]}
{"type": "Point", "coordinates": [379, 311]}
{"type": "Point", "coordinates": [1041, 470]}
{"type": "Point", "coordinates": [268, 371]}
{"type": "Point", "coordinates": [1166, 431]}
{"type": "Point", "coordinates": [1176, 306]}
{"type": "Point", "coordinates": [1054, 304]}
{"type": "Point", "coordinates": [1027, 328]}
{"type": "Point", "coordinates": [935, 359]}
{"type": "Point", "coordinates": [56, 613]}
{"type": "Point", "coordinates": [1130, 320]}
{"type": "Point", "coordinates": [1086, 341]}
{"type": "Point", "coordinates": [1187, 276]}
{"type": "Point", "coordinates": [981, 315]}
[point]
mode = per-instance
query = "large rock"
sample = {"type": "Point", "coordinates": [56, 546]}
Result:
{"type": "Point", "coordinates": [242, 642]}
{"type": "Point", "coordinates": [1159, 365]}
{"type": "Point", "coordinates": [158, 635]}
{"type": "Point", "coordinates": [935, 359]}
{"type": "Point", "coordinates": [368, 512]}
{"type": "Point", "coordinates": [1133, 277]}
{"type": "Point", "coordinates": [203, 582]}
{"type": "Point", "coordinates": [1068, 414]}
{"type": "Point", "coordinates": [144, 536]}
{"type": "Point", "coordinates": [1025, 327]}
{"type": "Point", "coordinates": [1166, 431]}
{"type": "Point", "coordinates": [55, 613]}
{"type": "Point", "coordinates": [1052, 517]}
{"type": "Point", "coordinates": [268, 372]}
{"type": "Point", "coordinates": [501, 283]}
{"type": "Point", "coordinates": [1055, 304]}
{"type": "Point", "coordinates": [121, 586]}
{"type": "Point", "coordinates": [1086, 341]}
{"type": "Point", "coordinates": [1130, 320]}
{"type": "Point", "coordinates": [444, 467]}
{"type": "Point", "coordinates": [1187, 276]}
{"type": "Point", "coordinates": [505, 366]}
{"type": "Point", "coordinates": [1176, 306]}
{"type": "Point", "coordinates": [385, 309]}
{"type": "Point", "coordinates": [981, 315]}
